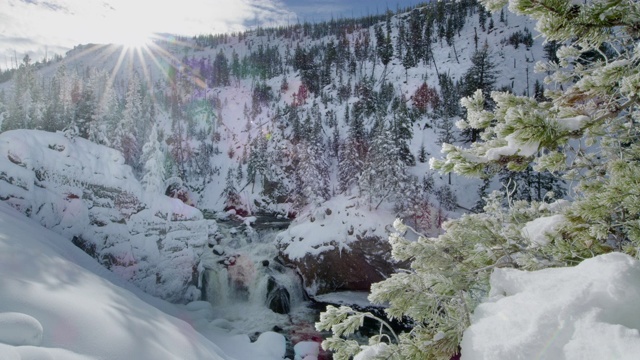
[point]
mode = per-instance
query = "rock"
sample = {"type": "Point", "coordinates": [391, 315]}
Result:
{"type": "Point", "coordinates": [88, 194]}
{"type": "Point", "coordinates": [278, 297]}
{"type": "Point", "coordinates": [368, 262]}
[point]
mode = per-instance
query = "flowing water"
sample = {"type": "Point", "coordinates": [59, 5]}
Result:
{"type": "Point", "coordinates": [251, 290]}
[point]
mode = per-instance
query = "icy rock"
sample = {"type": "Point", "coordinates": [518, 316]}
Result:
{"type": "Point", "coordinates": [273, 345]}
{"type": "Point", "coordinates": [278, 297]}
{"type": "Point", "coordinates": [367, 261]}
{"type": "Point", "coordinates": [306, 350]}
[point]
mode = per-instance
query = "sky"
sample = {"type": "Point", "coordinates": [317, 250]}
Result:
{"type": "Point", "coordinates": [45, 27]}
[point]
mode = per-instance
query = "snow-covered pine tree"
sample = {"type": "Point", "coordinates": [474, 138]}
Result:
{"type": "Point", "coordinates": [349, 165]}
{"type": "Point", "coordinates": [402, 131]}
{"type": "Point", "coordinates": [384, 171]}
{"type": "Point", "coordinates": [85, 112]}
{"type": "Point", "coordinates": [587, 130]}
{"type": "Point", "coordinates": [153, 156]}
{"type": "Point", "coordinates": [313, 172]}
{"type": "Point", "coordinates": [230, 193]}
{"type": "Point", "coordinates": [125, 135]}
{"type": "Point", "coordinates": [481, 75]}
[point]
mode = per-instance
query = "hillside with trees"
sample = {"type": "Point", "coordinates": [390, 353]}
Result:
{"type": "Point", "coordinates": [489, 139]}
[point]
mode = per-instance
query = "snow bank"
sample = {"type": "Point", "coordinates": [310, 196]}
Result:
{"type": "Point", "coordinates": [56, 298]}
{"type": "Point", "coordinates": [584, 312]}
{"type": "Point", "coordinates": [19, 329]}
{"type": "Point", "coordinates": [306, 350]}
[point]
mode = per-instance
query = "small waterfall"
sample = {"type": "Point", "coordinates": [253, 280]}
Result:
{"type": "Point", "coordinates": [242, 267]}
{"type": "Point", "coordinates": [252, 290]}
{"type": "Point", "coordinates": [279, 288]}
{"type": "Point", "coordinates": [258, 282]}
{"type": "Point", "coordinates": [216, 286]}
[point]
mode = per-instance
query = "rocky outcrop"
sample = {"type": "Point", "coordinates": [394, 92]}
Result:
{"type": "Point", "coordinates": [339, 246]}
{"type": "Point", "coordinates": [366, 262]}
{"type": "Point", "coordinates": [85, 192]}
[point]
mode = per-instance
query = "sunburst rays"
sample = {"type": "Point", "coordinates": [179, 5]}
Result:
{"type": "Point", "coordinates": [152, 59]}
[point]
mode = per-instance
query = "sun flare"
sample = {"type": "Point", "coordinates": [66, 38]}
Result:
{"type": "Point", "coordinates": [132, 37]}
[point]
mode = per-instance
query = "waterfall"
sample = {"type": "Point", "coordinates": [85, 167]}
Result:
{"type": "Point", "coordinates": [242, 268]}
{"type": "Point", "coordinates": [250, 290]}
{"type": "Point", "coordinates": [216, 286]}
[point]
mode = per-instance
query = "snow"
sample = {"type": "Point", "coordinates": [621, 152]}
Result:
{"type": "Point", "coordinates": [513, 147]}
{"type": "Point", "coordinates": [20, 329]}
{"type": "Point", "coordinates": [56, 302]}
{"type": "Point", "coordinates": [574, 123]}
{"type": "Point", "coordinates": [537, 229]}
{"type": "Point", "coordinates": [314, 231]}
{"type": "Point", "coordinates": [306, 350]}
{"type": "Point", "coordinates": [370, 351]}
{"type": "Point", "coordinates": [358, 298]}
{"type": "Point", "coordinates": [336, 224]}
{"type": "Point", "coordinates": [584, 312]}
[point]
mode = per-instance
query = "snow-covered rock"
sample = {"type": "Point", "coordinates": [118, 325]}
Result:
{"type": "Point", "coordinates": [85, 192]}
{"type": "Point", "coordinates": [306, 350]}
{"type": "Point", "coordinates": [340, 246]}
{"type": "Point", "coordinates": [589, 311]}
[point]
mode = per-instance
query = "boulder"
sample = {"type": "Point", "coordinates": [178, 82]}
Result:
{"type": "Point", "coordinates": [368, 261]}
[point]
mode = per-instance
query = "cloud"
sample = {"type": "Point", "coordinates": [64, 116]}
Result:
{"type": "Point", "coordinates": [35, 24]}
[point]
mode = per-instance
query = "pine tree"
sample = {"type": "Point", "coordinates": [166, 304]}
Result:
{"type": "Point", "coordinates": [85, 112]}
{"type": "Point", "coordinates": [422, 154]}
{"type": "Point", "coordinates": [26, 109]}
{"type": "Point", "coordinates": [153, 157]}
{"type": "Point", "coordinates": [257, 164]}
{"type": "Point", "coordinates": [384, 172]}
{"type": "Point", "coordinates": [598, 106]}
{"type": "Point", "coordinates": [349, 165]}
{"type": "Point", "coordinates": [125, 135]}
{"type": "Point", "coordinates": [384, 45]}
{"type": "Point", "coordinates": [221, 70]}
{"type": "Point", "coordinates": [230, 193]}
{"type": "Point", "coordinates": [313, 174]}
{"type": "Point", "coordinates": [481, 76]}
{"type": "Point", "coordinates": [402, 132]}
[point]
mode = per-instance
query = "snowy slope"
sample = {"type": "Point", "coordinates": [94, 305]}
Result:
{"type": "Point", "coordinates": [85, 311]}
{"type": "Point", "coordinates": [85, 192]}
{"type": "Point", "coordinates": [56, 302]}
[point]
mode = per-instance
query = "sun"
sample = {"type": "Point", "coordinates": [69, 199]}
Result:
{"type": "Point", "coordinates": [132, 37]}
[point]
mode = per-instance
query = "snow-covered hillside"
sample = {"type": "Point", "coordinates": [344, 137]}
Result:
{"type": "Point", "coordinates": [159, 161]}
{"type": "Point", "coordinates": [238, 104]}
